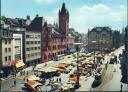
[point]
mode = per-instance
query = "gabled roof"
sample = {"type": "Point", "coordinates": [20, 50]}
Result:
{"type": "Point", "coordinates": [37, 23]}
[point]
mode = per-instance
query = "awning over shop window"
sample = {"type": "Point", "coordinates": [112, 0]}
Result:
{"type": "Point", "coordinates": [19, 64]}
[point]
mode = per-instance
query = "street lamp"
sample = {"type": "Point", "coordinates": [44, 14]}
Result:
{"type": "Point", "coordinates": [77, 49]}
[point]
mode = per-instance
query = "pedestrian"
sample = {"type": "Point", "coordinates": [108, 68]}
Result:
{"type": "Point", "coordinates": [24, 79]}
{"type": "Point", "coordinates": [118, 61]}
{"type": "Point", "coordinates": [121, 87]}
{"type": "Point", "coordinates": [14, 82]}
{"type": "Point", "coordinates": [27, 79]}
{"type": "Point", "coordinates": [45, 64]}
{"type": "Point", "coordinates": [59, 79]}
{"type": "Point", "coordinates": [27, 73]}
{"type": "Point", "coordinates": [20, 73]}
{"type": "Point", "coordinates": [114, 68]}
{"type": "Point", "coordinates": [106, 65]}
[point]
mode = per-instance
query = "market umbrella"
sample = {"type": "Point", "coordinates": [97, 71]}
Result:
{"type": "Point", "coordinates": [74, 79]}
{"type": "Point", "coordinates": [33, 78]}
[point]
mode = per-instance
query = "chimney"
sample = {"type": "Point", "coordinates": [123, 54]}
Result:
{"type": "Point", "coordinates": [37, 15]}
{"type": "Point", "coordinates": [28, 17]}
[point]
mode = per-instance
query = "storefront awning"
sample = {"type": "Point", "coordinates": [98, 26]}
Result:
{"type": "Point", "coordinates": [19, 64]}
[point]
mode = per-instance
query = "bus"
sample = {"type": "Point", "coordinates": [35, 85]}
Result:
{"type": "Point", "coordinates": [59, 57]}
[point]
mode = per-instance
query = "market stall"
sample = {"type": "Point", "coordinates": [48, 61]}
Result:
{"type": "Point", "coordinates": [48, 72]}
{"type": "Point", "coordinates": [68, 86]}
{"type": "Point", "coordinates": [62, 65]}
{"type": "Point", "coordinates": [33, 78]}
{"type": "Point", "coordinates": [74, 79]}
{"type": "Point", "coordinates": [33, 85]}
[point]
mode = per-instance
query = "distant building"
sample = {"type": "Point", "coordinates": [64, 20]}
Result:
{"type": "Point", "coordinates": [71, 41]}
{"type": "Point", "coordinates": [100, 39]}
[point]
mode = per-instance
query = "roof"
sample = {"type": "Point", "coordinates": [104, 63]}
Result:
{"type": "Point", "coordinates": [37, 23]}
{"type": "Point", "coordinates": [17, 22]}
{"type": "Point", "coordinates": [63, 10]}
{"type": "Point", "coordinates": [101, 29]}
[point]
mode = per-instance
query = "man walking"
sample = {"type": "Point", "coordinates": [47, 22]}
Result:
{"type": "Point", "coordinates": [121, 87]}
{"type": "Point", "coordinates": [14, 82]}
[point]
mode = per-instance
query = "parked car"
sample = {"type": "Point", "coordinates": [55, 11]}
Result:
{"type": "Point", "coordinates": [97, 81]}
{"type": "Point", "coordinates": [76, 86]}
{"type": "Point", "coordinates": [1, 79]}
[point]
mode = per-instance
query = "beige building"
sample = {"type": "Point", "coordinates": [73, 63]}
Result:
{"type": "Point", "coordinates": [100, 39]}
{"type": "Point", "coordinates": [6, 45]}
{"type": "Point", "coordinates": [32, 47]}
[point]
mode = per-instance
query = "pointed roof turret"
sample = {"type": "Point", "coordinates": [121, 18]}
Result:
{"type": "Point", "coordinates": [63, 9]}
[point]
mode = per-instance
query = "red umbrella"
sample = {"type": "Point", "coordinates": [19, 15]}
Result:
{"type": "Point", "coordinates": [75, 79]}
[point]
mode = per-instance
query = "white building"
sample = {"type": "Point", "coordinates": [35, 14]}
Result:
{"type": "Point", "coordinates": [17, 46]}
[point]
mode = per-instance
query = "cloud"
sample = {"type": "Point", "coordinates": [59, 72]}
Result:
{"type": "Point", "coordinates": [86, 17]}
{"type": "Point", "coordinates": [45, 1]}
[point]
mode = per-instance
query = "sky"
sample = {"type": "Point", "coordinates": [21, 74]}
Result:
{"type": "Point", "coordinates": [83, 14]}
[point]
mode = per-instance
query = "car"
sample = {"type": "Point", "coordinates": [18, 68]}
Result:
{"type": "Point", "coordinates": [96, 83]}
{"type": "Point", "coordinates": [76, 86]}
{"type": "Point", "coordinates": [1, 79]}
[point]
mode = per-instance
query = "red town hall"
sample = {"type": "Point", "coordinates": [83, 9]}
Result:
{"type": "Point", "coordinates": [54, 37]}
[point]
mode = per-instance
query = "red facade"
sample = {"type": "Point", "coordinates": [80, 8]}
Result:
{"type": "Point", "coordinates": [52, 44]}
{"type": "Point", "coordinates": [54, 39]}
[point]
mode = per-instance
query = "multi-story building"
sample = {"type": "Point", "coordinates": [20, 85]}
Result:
{"type": "Point", "coordinates": [32, 49]}
{"type": "Point", "coordinates": [71, 41]}
{"type": "Point", "coordinates": [26, 45]}
{"type": "Point", "coordinates": [6, 46]}
{"type": "Point", "coordinates": [17, 46]}
{"type": "Point", "coordinates": [54, 39]}
{"type": "Point", "coordinates": [124, 59]}
{"type": "Point", "coordinates": [100, 38]}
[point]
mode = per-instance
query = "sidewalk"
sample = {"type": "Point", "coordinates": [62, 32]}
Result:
{"type": "Point", "coordinates": [85, 83]}
{"type": "Point", "coordinates": [114, 84]}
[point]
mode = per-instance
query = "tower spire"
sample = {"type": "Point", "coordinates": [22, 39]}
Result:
{"type": "Point", "coordinates": [63, 9]}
